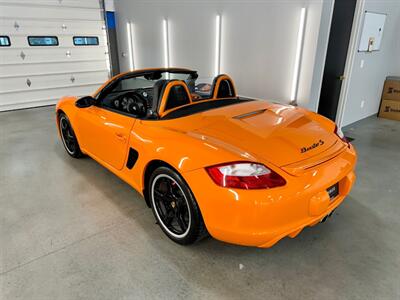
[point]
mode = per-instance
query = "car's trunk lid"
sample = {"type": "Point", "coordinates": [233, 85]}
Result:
{"type": "Point", "coordinates": [279, 134]}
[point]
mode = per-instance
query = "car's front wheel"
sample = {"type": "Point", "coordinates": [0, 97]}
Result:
{"type": "Point", "coordinates": [175, 207]}
{"type": "Point", "coordinates": [68, 136]}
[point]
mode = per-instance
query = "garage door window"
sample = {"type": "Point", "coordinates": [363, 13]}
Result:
{"type": "Point", "coordinates": [86, 41]}
{"type": "Point", "coordinates": [43, 40]}
{"type": "Point", "coordinates": [4, 41]}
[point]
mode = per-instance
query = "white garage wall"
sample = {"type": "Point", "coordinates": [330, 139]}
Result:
{"type": "Point", "coordinates": [259, 47]}
{"type": "Point", "coordinates": [258, 40]}
{"type": "Point", "coordinates": [53, 71]}
{"type": "Point", "coordinates": [365, 84]}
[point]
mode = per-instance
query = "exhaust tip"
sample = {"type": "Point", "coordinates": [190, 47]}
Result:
{"type": "Point", "coordinates": [324, 219]}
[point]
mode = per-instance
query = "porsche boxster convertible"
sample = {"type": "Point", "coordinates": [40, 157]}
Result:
{"type": "Point", "coordinates": [208, 161]}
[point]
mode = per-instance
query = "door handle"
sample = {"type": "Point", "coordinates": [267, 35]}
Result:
{"type": "Point", "coordinates": [121, 136]}
{"type": "Point", "coordinates": [341, 77]}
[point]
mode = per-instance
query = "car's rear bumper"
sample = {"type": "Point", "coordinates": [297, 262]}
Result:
{"type": "Point", "coordinates": [263, 217]}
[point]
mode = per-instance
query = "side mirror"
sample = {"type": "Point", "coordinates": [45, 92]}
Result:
{"type": "Point", "coordinates": [84, 102]}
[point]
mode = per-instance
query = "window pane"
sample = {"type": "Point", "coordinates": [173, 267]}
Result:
{"type": "Point", "coordinates": [4, 41]}
{"type": "Point", "coordinates": [43, 41]}
{"type": "Point", "coordinates": [86, 40]}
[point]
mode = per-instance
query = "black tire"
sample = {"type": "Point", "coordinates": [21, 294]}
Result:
{"type": "Point", "coordinates": [68, 136]}
{"type": "Point", "coordinates": [175, 207]}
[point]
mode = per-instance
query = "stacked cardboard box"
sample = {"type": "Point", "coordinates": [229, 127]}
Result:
{"type": "Point", "coordinates": [390, 103]}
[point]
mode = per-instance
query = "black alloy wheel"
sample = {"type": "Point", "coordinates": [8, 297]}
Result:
{"type": "Point", "coordinates": [68, 136]}
{"type": "Point", "coordinates": [174, 207]}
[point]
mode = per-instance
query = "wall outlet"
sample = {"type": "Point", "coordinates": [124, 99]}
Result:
{"type": "Point", "coordinates": [362, 64]}
{"type": "Point", "coordinates": [362, 103]}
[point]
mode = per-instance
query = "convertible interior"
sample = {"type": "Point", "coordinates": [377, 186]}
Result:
{"type": "Point", "coordinates": [157, 94]}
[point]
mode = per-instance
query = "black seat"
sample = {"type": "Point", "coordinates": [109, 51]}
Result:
{"type": "Point", "coordinates": [225, 88]}
{"type": "Point", "coordinates": [158, 91]}
{"type": "Point", "coordinates": [177, 96]}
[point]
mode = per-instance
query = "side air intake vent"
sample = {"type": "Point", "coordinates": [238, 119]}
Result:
{"type": "Point", "coordinates": [132, 158]}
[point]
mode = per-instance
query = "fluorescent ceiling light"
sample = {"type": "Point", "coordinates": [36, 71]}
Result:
{"type": "Point", "coordinates": [299, 48]}
{"type": "Point", "coordinates": [217, 45]}
{"type": "Point", "coordinates": [166, 43]}
{"type": "Point", "coordinates": [129, 29]}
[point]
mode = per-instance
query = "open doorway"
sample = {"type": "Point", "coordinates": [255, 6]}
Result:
{"type": "Point", "coordinates": [339, 38]}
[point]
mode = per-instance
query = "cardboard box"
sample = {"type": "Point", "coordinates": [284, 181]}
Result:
{"type": "Point", "coordinates": [391, 89]}
{"type": "Point", "coordinates": [390, 109]}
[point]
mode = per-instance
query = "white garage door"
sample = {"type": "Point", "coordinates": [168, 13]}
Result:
{"type": "Point", "coordinates": [49, 49]}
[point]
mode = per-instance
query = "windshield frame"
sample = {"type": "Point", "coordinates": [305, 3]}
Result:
{"type": "Point", "coordinates": [141, 73]}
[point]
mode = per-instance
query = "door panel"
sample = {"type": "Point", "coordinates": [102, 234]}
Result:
{"type": "Point", "coordinates": [339, 37]}
{"type": "Point", "coordinates": [104, 134]}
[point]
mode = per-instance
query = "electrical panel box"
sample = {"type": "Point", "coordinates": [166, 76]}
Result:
{"type": "Point", "coordinates": [372, 31]}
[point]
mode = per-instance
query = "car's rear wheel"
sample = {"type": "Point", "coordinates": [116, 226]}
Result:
{"type": "Point", "coordinates": [68, 136]}
{"type": "Point", "coordinates": [175, 207]}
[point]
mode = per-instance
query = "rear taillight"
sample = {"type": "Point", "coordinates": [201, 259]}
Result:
{"type": "Point", "coordinates": [340, 134]}
{"type": "Point", "coordinates": [245, 175]}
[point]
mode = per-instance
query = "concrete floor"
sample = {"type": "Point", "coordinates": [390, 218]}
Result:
{"type": "Point", "coordinates": [70, 229]}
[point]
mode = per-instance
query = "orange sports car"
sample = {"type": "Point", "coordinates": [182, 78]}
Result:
{"type": "Point", "coordinates": [246, 171]}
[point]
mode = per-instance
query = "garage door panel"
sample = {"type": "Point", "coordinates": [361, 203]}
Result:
{"type": "Point", "coordinates": [7, 100]}
{"type": "Point", "coordinates": [70, 26]}
{"type": "Point", "coordinates": [14, 106]}
{"type": "Point", "coordinates": [29, 83]}
{"type": "Point", "coordinates": [44, 54]}
{"type": "Point", "coordinates": [21, 41]}
{"type": "Point", "coordinates": [31, 31]}
{"type": "Point", "coordinates": [51, 68]}
{"type": "Point", "coordinates": [20, 37]}
{"type": "Point", "coordinates": [9, 11]}
{"type": "Point", "coordinates": [64, 3]}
